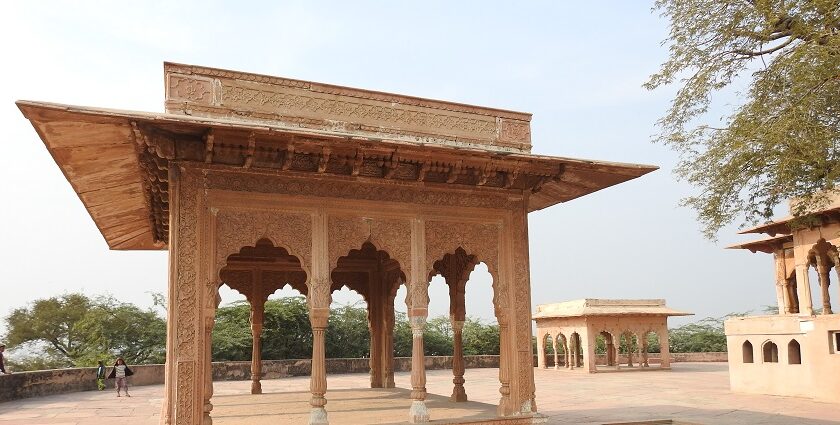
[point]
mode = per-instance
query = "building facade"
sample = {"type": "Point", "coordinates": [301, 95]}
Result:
{"type": "Point", "coordinates": [795, 352]}
{"type": "Point", "coordinates": [626, 327]}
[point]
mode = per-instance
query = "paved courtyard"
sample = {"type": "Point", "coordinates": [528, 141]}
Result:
{"type": "Point", "coordinates": [691, 393]}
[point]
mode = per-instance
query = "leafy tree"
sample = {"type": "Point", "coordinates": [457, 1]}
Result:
{"type": "Point", "coordinates": [480, 338]}
{"type": "Point", "coordinates": [437, 338]}
{"type": "Point", "coordinates": [287, 333]}
{"type": "Point", "coordinates": [706, 335]}
{"type": "Point", "coordinates": [402, 335]}
{"type": "Point", "coordinates": [348, 335]}
{"type": "Point", "coordinates": [76, 330]}
{"type": "Point", "coordinates": [783, 141]}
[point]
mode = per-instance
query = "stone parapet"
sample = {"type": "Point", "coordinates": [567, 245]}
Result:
{"type": "Point", "coordinates": [219, 93]}
{"type": "Point", "coordinates": [60, 381]}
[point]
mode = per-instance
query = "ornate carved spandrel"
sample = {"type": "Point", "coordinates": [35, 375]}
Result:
{"type": "Point", "coordinates": [348, 233]}
{"type": "Point", "coordinates": [480, 240]}
{"type": "Point", "coordinates": [237, 228]}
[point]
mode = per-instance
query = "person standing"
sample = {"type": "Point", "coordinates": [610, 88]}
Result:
{"type": "Point", "coordinates": [121, 372]}
{"type": "Point", "coordinates": [100, 376]}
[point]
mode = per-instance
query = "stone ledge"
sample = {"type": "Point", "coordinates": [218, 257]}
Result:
{"type": "Point", "coordinates": [61, 381]}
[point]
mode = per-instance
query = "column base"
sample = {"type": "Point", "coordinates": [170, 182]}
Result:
{"type": "Point", "coordinates": [318, 416]}
{"type": "Point", "coordinates": [419, 413]}
{"type": "Point", "coordinates": [459, 395]}
{"type": "Point", "coordinates": [256, 387]}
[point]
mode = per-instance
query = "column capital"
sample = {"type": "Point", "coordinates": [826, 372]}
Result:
{"type": "Point", "coordinates": [319, 317]}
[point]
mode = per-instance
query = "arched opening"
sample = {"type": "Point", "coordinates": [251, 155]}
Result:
{"type": "Point", "coordinates": [463, 274]}
{"type": "Point", "coordinates": [605, 349]}
{"type": "Point", "coordinates": [650, 348]}
{"type": "Point", "coordinates": [628, 347]}
{"type": "Point", "coordinates": [256, 328]}
{"type": "Point", "coordinates": [561, 354]}
{"type": "Point", "coordinates": [747, 352]}
{"type": "Point", "coordinates": [822, 257]}
{"type": "Point", "coordinates": [348, 333]}
{"type": "Point", "coordinates": [374, 277]}
{"type": "Point", "coordinates": [770, 352]}
{"type": "Point", "coordinates": [548, 350]}
{"type": "Point", "coordinates": [794, 352]}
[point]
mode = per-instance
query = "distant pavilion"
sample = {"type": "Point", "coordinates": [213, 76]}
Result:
{"type": "Point", "coordinates": [574, 326]}
{"type": "Point", "coordinates": [795, 352]}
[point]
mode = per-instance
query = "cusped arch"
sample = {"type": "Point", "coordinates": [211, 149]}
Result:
{"type": "Point", "coordinates": [367, 250]}
{"type": "Point", "coordinates": [288, 270]}
{"type": "Point", "coordinates": [478, 240]}
{"type": "Point", "coordinates": [237, 228]}
{"type": "Point", "coordinates": [393, 236]}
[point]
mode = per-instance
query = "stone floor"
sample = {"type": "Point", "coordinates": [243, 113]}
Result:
{"type": "Point", "coordinates": [691, 393]}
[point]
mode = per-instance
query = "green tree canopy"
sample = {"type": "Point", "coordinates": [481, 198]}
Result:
{"type": "Point", "coordinates": [77, 330]}
{"type": "Point", "coordinates": [782, 142]}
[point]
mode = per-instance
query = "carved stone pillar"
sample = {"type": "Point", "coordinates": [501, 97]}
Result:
{"type": "Point", "coordinates": [787, 306]}
{"type": "Point", "coordinates": [541, 354]}
{"type": "Point", "coordinates": [257, 317]}
{"type": "Point", "coordinates": [418, 290]}
{"type": "Point", "coordinates": [835, 260]}
{"type": "Point", "coordinates": [191, 301]}
{"type": "Point", "coordinates": [629, 338]}
{"type": "Point", "coordinates": [822, 273]}
{"type": "Point", "coordinates": [318, 318]}
{"type": "Point", "coordinates": [418, 413]}
{"type": "Point", "coordinates": [209, 321]}
{"type": "Point", "coordinates": [664, 348]}
{"type": "Point", "coordinates": [803, 289]}
{"type": "Point", "coordinates": [568, 354]}
{"type": "Point", "coordinates": [318, 298]}
{"type": "Point", "coordinates": [643, 347]}
{"type": "Point", "coordinates": [615, 355]}
{"type": "Point", "coordinates": [375, 325]}
{"type": "Point", "coordinates": [388, 357]}
{"type": "Point", "coordinates": [781, 283]}
{"type": "Point", "coordinates": [573, 345]}
{"type": "Point", "coordinates": [504, 368]}
{"type": "Point", "coordinates": [589, 358]}
{"type": "Point", "coordinates": [556, 354]}
{"type": "Point", "coordinates": [608, 351]}
{"type": "Point", "coordinates": [458, 392]}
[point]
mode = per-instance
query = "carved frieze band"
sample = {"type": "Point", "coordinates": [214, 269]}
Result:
{"type": "Point", "coordinates": [234, 96]}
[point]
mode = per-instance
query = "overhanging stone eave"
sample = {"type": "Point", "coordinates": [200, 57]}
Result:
{"type": "Point", "coordinates": [560, 179]}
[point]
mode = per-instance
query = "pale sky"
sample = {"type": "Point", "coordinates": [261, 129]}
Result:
{"type": "Point", "coordinates": [577, 66]}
